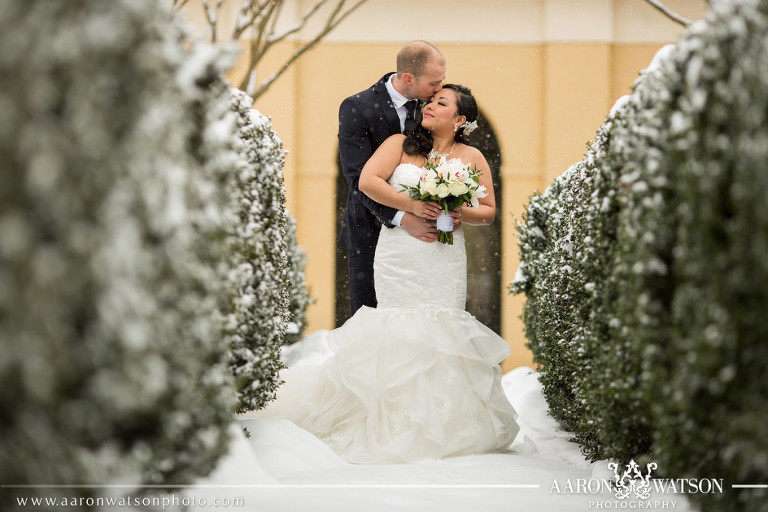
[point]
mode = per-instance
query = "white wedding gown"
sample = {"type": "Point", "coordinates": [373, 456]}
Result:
{"type": "Point", "coordinates": [417, 377]}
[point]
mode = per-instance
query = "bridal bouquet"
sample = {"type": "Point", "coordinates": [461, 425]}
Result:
{"type": "Point", "coordinates": [451, 184]}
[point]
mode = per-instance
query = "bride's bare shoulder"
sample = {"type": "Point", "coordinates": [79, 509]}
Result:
{"type": "Point", "coordinates": [470, 154]}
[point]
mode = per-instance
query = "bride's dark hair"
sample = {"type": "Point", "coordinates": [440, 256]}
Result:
{"type": "Point", "coordinates": [418, 141]}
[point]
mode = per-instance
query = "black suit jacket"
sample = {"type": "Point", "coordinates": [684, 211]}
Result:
{"type": "Point", "coordinates": [365, 121]}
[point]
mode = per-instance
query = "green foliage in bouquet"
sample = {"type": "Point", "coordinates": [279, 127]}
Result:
{"type": "Point", "coordinates": [113, 369]}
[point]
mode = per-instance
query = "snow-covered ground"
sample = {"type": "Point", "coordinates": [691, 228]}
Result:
{"type": "Point", "coordinates": [284, 468]}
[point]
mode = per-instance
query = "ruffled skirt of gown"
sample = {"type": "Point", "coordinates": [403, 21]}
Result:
{"type": "Point", "coordinates": [417, 377]}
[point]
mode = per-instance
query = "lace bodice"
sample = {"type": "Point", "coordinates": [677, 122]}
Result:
{"type": "Point", "coordinates": [411, 273]}
{"type": "Point", "coordinates": [405, 174]}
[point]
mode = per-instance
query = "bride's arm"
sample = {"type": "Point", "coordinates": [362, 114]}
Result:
{"type": "Point", "coordinates": [485, 212]}
{"type": "Point", "coordinates": [376, 172]}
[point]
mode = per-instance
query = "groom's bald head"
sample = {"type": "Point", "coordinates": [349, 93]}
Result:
{"type": "Point", "coordinates": [415, 56]}
{"type": "Point", "coordinates": [420, 70]}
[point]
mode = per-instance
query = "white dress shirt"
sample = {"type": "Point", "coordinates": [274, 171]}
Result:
{"type": "Point", "coordinates": [398, 100]}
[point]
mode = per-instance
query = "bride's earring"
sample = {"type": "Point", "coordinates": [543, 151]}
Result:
{"type": "Point", "coordinates": [455, 129]}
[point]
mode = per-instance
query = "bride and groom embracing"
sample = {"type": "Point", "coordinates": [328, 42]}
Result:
{"type": "Point", "coordinates": [413, 374]}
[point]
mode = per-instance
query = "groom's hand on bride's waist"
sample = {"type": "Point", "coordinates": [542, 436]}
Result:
{"type": "Point", "coordinates": [418, 227]}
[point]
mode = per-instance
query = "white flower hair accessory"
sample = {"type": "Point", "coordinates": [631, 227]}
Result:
{"type": "Point", "coordinates": [469, 127]}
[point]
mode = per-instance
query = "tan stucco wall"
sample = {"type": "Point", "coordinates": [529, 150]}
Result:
{"type": "Point", "coordinates": [545, 73]}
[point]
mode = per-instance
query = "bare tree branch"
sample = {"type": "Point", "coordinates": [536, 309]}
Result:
{"type": "Point", "coordinates": [279, 9]}
{"type": "Point", "coordinates": [682, 20]}
{"type": "Point", "coordinates": [258, 47]}
{"type": "Point", "coordinates": [249, 13]}
{"type": "Point", "coordinates": [330, 25]}
{"type": "Point", "coordinates": [277, 38]}
{"type": "Point", "coordinates": [212, 16]}
{"type": "Point", "coordinates": [259, 19]}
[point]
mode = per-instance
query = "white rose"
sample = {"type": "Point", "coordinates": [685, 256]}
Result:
{"type": "Point", "coordinates": [429, 186]}
{"type": "Point", "coordinates": [457, 188]}
{"type": "Point", "coordinates": [442, 190]}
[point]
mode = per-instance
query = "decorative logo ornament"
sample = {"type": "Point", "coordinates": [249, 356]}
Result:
{"type": "Point", "coordinates": [632, 480]}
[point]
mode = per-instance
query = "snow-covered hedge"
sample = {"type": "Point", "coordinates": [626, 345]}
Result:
{"type": "Point", "coordinates": [615, 411]}
{"type": "Point", "coordinates": [298, 293]}
{"type": "Point", "coordinates": [557, 308]}
{"type": "Point", "coordinates": [260, 313]}
{"type": "Point", "coordinates": [646, 272]}
{"type": "Point", "coordinates": [701, 269]}
{"type": "Point", "coordinates": [568, 246]}
{"type": "Point", "coordinates": [111, 277]}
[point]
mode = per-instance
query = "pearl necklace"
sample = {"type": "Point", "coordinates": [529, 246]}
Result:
{"type": "Point", "coordinates": [434, 154]}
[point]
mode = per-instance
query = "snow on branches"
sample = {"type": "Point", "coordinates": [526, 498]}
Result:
{"type": "Point", "coordinates": [298, 294]}
{"type": "Point", "coordinates": [259, 24]}
{"type": "Point", "coordinates": [259, 316]}
{"type": "Point", "coordinates": [143, 247]}
{"type": "Point", "coordinates": [645, 271]}
{"type": "Point", "coordinates": [113, 368]}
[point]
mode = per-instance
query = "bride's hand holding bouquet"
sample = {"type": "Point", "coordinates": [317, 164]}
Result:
{"type": "Point", "coordinates": [450, 185]}
{"type": "Point", "coordinates": [429, 210]}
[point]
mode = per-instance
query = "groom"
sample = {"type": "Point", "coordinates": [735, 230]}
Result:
{"type": "Point", "coordinates": [365, 121]}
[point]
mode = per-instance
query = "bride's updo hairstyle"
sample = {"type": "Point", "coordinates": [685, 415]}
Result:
{"type": "Point", "coordinates": [419, 140]}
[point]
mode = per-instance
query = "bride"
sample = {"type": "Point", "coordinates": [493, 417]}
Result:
{"type": "Point", "coordinates": [417, 376]}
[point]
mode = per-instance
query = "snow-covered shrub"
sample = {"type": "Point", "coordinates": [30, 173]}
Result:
{"type": "Point", "coordinates": [699, 260]}
{"type": "Point", "coordinates": [672, 250]}
{"type": "Point", "coordinates": [259, 314]}
{"type": "Point", "coordinates": [557, 305]}
{"type": "Point", "coordinates": [567, 250]}
{"type": "Point", "coordinates": [113, 367]}
{"type": "Point", "coordinates": [615, 407]}
{"type": "Point", "coordinates": [614, 414]}
{"type": "Point", "coordinates": [298, 294]}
